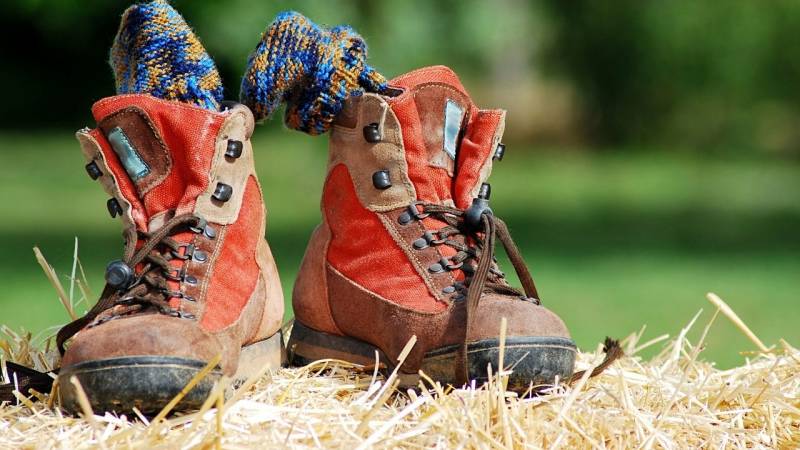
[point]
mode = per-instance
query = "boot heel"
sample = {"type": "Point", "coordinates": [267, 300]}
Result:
{"type": "Point", "coordinates": [307, 345]}
{"type": "Point", "coordinates": [267, 353]}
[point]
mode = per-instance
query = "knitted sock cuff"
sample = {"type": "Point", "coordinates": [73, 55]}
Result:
{"type": "Point", "coordinates": [312, 69]}
{"type": "Point", "coordinates": [155, 52]}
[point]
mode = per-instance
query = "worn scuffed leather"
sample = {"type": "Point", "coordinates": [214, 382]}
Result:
{"type": "Point", "coordinates": [237, 299]}
{"type": "Point", "coordinates": [376, 286]}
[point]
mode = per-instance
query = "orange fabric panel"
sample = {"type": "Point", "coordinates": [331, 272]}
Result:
{"type": "Point", "coordinates": [476, 148]}
{"type": "Point", "coordinates": [236, 270]}
{"type": "Point", "coordinates": [364, 251]}
{"type": "Point", "coordinates": [189, 133]}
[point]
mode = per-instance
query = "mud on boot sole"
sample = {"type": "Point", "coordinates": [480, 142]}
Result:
{"type": "Point", "coordinates": [534, 360]}
{"type": "Point", "coordinates": [148, 383]}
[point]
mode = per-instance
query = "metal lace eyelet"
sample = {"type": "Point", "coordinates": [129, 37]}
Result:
{"type": "Point", "coordinates": [436, 268]}
{"type": "Point", "coordinates": [187, 252]}
{"type": "Point", "coordinates": [499, 152]}
{"type": "Point", "coordinates": [200, 256]}
{"type": "Point", "coordinates": [234, 149]}
{"type": "Point", "coordinates": [436, 241]}
{"type": "Point", "coordinates": [411, 213]}
{"type": "Point", "coordinates": [449, 289]}
{"type": "Point", "coordinates": [456, 266]}
{"type": "Point", "coordinates": [114, 207]}
{"type": "Point", "coordinates": [119, 275]}
{"type": "Point", "coordinates": [189, 279]}
{"type": "Point", "coordinates": [210, 232]}
{"type": "Point", "coordinates": [93, 170]}
{"type": "Point", "coordinates": [179, 314]}
{"type": "Point", "coordinates": [447, 264]}
{"type": "Point", "coordinates": [420, 243]}
{"type": "Point", "coordinates": [381, 180]}
{"type": "Point", "coordinates": [414, 212]}
{"type": "Point", "coordinates": [174, 274]}
{"type": "Point", "coordinates": [372, 133]}
{"type": "Point", "coordinates": [222, 192]}
{"type": "Point", "coordinates": [200, 226]}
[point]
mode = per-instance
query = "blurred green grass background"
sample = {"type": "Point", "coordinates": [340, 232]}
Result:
{"type": "Point", "coordinates": [615, 241]}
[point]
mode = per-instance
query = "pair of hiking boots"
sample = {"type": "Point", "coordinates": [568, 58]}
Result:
{"type": "Point", "coordinates": [405, 248]}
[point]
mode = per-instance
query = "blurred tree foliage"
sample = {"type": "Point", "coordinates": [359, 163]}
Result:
{"type": "Point", "coordinates": [703, 74]}
{"type": "Point", "coordinates": [692, 74]}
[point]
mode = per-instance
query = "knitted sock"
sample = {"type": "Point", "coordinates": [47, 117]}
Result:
{"type": "Point", "coordinates": [312, 69]}
{"type": "Point", "coordinates": [155, 52]}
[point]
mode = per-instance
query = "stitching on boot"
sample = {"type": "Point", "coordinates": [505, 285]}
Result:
{"type": "Point", "coordinates": [220, 243]}
{"type": "Point", "coordinates": [429, 282]}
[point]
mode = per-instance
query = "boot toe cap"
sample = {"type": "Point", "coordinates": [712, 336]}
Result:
{"type": "Point", "coordinates": [523, 319]}
{"type": "Point", "coordinates": [149, 335]}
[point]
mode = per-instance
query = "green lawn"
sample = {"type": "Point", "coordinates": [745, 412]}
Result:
{"type": "Point", "coordinates": [615, 242]}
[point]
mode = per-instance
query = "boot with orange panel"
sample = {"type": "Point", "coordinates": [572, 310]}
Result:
{"type": "Point", "coordinates": [406, 244]}
{"type": "Point", "coordinates": [196, 284]}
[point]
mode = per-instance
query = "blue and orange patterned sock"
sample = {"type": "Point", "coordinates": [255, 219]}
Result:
{"type": "Point", "coordinates": [155, 52]}
{"type": "Point", "coordinates": [310, 68]}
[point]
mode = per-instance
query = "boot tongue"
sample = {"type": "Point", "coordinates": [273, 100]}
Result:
{"type": "Point", "coordinates": [448, 141]}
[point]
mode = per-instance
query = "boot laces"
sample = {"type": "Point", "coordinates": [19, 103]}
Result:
{"type": "Point", "coordinates": [149, 290]}
{"type": "Point", "coordinates": [478, 245]}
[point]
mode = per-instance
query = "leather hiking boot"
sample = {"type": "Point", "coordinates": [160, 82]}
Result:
{"type": "Point", "coordinates": [407, 241]}
{"type": "Point", "coordinates": [197, 280]}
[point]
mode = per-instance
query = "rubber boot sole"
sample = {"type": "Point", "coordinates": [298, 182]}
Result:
{"type": "Point", "coordinates": [535, 361]}
{"type": "Point", "coordinates": [148, 383]}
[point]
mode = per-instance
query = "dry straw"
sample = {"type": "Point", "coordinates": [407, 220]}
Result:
{"type": "Point", "coordinates": [673, 400]}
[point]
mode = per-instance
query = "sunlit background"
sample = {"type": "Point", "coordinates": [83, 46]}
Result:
{"type": "Point", "coordinates": [653, 148]}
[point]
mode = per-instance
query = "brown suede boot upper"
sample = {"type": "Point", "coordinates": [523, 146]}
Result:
{"type": "Point", "coordinates": [210, 285]}
{"type": "Point", "coordinates": [376, 269]}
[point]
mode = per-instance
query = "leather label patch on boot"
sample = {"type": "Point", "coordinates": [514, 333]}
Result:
{"type": "Point", "coordinates": [128, 156]}
{"type": "Point", "coordinates": [453, 117]}
{"type": "Point", "coordinates": [139, 147]}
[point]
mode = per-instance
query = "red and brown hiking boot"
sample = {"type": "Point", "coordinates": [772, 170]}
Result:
{"type": "Point", "coordinates": [406, 246]}
{"type": "Point", "coordinates": [197, 280]}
